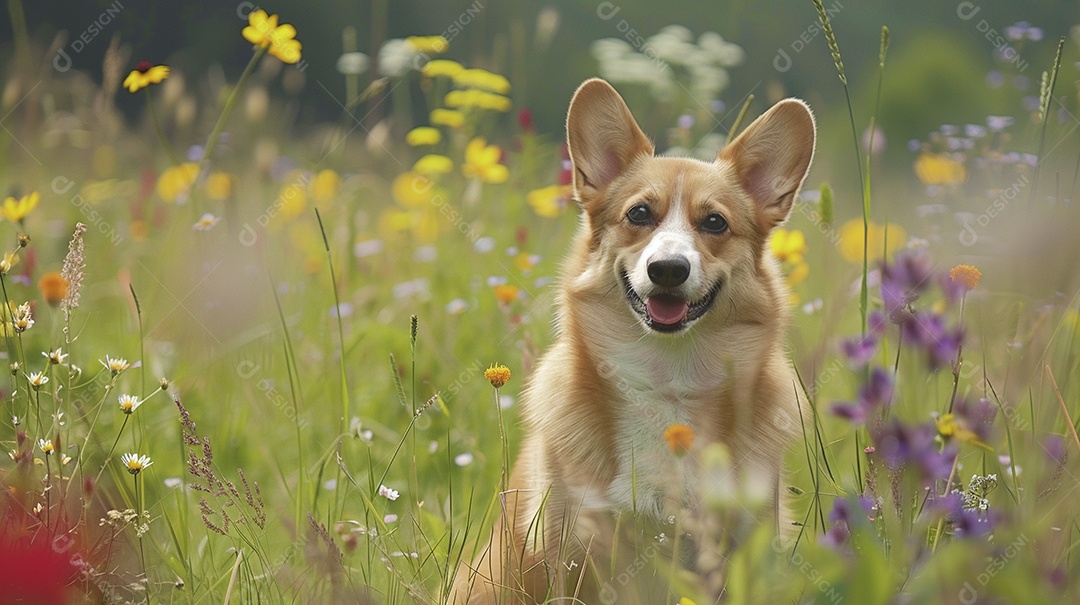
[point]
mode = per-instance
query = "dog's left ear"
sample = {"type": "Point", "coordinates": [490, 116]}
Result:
{"type": "Point", "coordinates": [771, 158]}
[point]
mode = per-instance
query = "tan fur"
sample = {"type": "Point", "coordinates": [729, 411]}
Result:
{"type": "Point", "coordinates": [609, 386]}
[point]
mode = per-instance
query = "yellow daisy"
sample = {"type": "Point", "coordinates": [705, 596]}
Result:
{"type": "Point", "coordinates": [482, 162]}
{"type": "Point", "coordinates": [16, 210]}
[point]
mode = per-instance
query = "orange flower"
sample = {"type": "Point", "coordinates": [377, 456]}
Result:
{"type": "Point", "coordinates": [497, 375]}
{"type": "Point", "coordinates": [506, 293]}
{"type": "Point", "coordinates": [968, 275]}
{"type": "Point", "coordinates": [679, 438]}
{"type": "Point", "coordinates": [54, 288]}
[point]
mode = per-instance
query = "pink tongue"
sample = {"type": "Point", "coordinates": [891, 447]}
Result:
{"type": "Point", "coordinates": [666, 309]}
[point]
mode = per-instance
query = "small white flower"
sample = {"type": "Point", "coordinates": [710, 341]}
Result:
{"type": "Point", "coordinates": [46, 446]}
{"type": "Point", "coordinates": [389, 494]}
{"type": "Point", "coordinates": [135, 463]}
{"type": "Point", "coordinates": [38, 380]}
{"type": "Point", "coordinates": [22, 318]}
{"type": "Point", "coordinates": [55, 357]}
{"type": "Point", "coordinates": [115, 365]}
{"type": "Point", "coordinates": [129, 403]}
{"type": "Point", "coordinates": [206, 222]}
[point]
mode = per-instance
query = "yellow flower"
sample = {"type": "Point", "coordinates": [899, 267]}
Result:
{"type": "Point", "coordinates": [175, 182]}
{"type": "Point", "coordinates": [423, 135]}
{"type": "Point", "coordinates": [968, 275]}
{"type": "Point", "coordinates": [679, 438]}
{"type": "Point", "coordinates": [219, 185]}
{"type": "Point", "coordinates": [432, 164]}
{"type": "Point", "coordinates": [525, 261]}
{"type": "Point", "coordinates": [441, 67]}
{"type": "Point", "coordinates": [144, 75]}
{"type": "Point", "coordinates": [432, 45]}
{"type": "Point", "coordinates": [497, 375]}
{"type": "Point", "coordinates": [481, 99]}
{"type": "Point", "coordinates": [798, 273]}
{"type": "Point", "coordinates": [482, 162]}
{"type": "Point", "coordinates": [506, 293]}
{"type": "Point", "coordinates": [292, 201]}
{"type": "Point", "coordinates": [414, 190]}
{"type": "Point", "coordinates": [16, 210]}
{"type": "Point", "coordinates": [325, 185]}
{"type": "Point", "coordinates": [135, 463]}
{"type": "Point", "coordinates": [483, 79]}
{"type": "Point", "coordinates": [447, 117]}
{"type": "Point", "coordinates": [549, 202]}
{"type": "Point", "coordinates": [851, 240]}
{"type": "Point", "coordinates": [938, 169]}
{"type": "Point", "coordinates": [951, 426]}
{"type": "Point", "coordinates": [788, 245]}
{"type": "Point", "coordinates": [279, 40]}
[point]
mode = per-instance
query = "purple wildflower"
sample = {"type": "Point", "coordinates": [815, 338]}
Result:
{"type": "Point", "coordinates": [901, 444]}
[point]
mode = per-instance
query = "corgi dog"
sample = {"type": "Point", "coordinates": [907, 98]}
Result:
{"type": "Point", "coordinates": [671, 310]}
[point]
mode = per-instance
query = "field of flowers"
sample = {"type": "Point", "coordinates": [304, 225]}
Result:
{"type": "Point", "coordinates": [250, 356]}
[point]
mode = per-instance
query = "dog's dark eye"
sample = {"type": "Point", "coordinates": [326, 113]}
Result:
{"type": "Point", "coordinates": [714, 223]}
{"type": "Point", "coordinates": [639, 215]}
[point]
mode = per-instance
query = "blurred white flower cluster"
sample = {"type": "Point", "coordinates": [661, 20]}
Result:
{"type": "Point", "coordinates": [668, 60]}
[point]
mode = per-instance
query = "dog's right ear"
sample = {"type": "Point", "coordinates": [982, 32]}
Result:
{"type": "Point", "coordinates": [602, 136]}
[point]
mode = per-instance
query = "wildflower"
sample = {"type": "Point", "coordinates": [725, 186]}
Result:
{"type": "Point", "coordinates": [480, 99]}
{"type": "Point", "coordinates": [325, 185]}
{"type": "Point", "coordinates": [16, 210]}
{"type": "Point", "coordinates": [14, 367]}
{"type": "Point", "coordinates": [482, 162]}
{"type": "Point", "coordinates": [414, 190]}
{"type": "Point", "coordinates": [679, 438]}
{"type": "Point", "coordinates": [430, 45]}
{"type": "Point", "coordinates": [788, 245]}
{"type": "Point", "coordinates": [9, 260]}
{"type": "Point", "coordinates": [423, 135]}
{"type": "Point", "coordinates": [549, 202]}
{"type": "Point", "coordinates": [136, 463]}
{"type": "Point", "coordinates": [882, 240]}
{"type": "Point", "coordinates": [389, 494]}
{"type": "Point", "coordinates": [877, 392]}
{"type": "Point", "coordinates": [54, 288]}
{"type": "Point", "coordinates": [129, 403]}
{"type": "Point", "coordinates": [938, 169]}
{"type": "Point", "coordinates": [174, 184]}
{"type": "Point", "coordinates": [966, 275]}
{"type": "Point", "coordinates": [497, 375]}
{"type": "Point", "coordinates": [72, 272]}
{"type": "Point", "coordinates": [37, 380]}
{"type": "Point", "coordinates": [206, 222]}
{"type": "Point", "coordinates": [279, 40]}
{"type": "Point", "coordinates": [441, 67]}
{"type": "Point", "coordinates": [482, 79]}
{"type": "Point", "coordinates": [164, 384]}
{"type": "Point", "coordinates": [145, 74]}
{"type": "Point", "coordinates": [46, 446]}
{"type": "Point", "coordinates": [447, 117]}
{"type": "Point", "coordinates": [901, 444]}
{"type": "Point", "coordinates": [433, 163]}
{"type": "Point", "coordinates": [219, 185]}
{"type": "Point", "coordinates": [55, 357]}
{"type": "Point", "coordinates": [353, 63]}
{"type": "Point", "coordinates": [903, 281]}
{"type": "Point", "coordinates": [115, 366]}
{"type": "Point", "coordinates": [21, 318]}
{"type": "Point", "coordinates": [506, 293]}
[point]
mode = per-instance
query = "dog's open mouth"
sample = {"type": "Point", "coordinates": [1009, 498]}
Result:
{"type": "Point", "coordinates": [665, 311]}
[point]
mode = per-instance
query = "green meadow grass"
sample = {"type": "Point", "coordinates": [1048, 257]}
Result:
{"type": "Point", "coordinates": [327, 336]}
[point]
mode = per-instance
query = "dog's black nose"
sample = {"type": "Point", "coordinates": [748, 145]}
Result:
{"type": "Point", "coordinates": [669, 272]}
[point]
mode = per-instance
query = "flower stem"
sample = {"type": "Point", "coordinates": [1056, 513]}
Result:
{"type": "Point", "coordinates": [215, 134]}
{"type": "Point", "coordinates": [173, 159]}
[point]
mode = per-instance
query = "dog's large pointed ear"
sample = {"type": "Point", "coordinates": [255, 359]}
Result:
{"type": "Point", "coordinates": [771, 158]}
{"type": "Point", "coordinates": [602, 136]}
